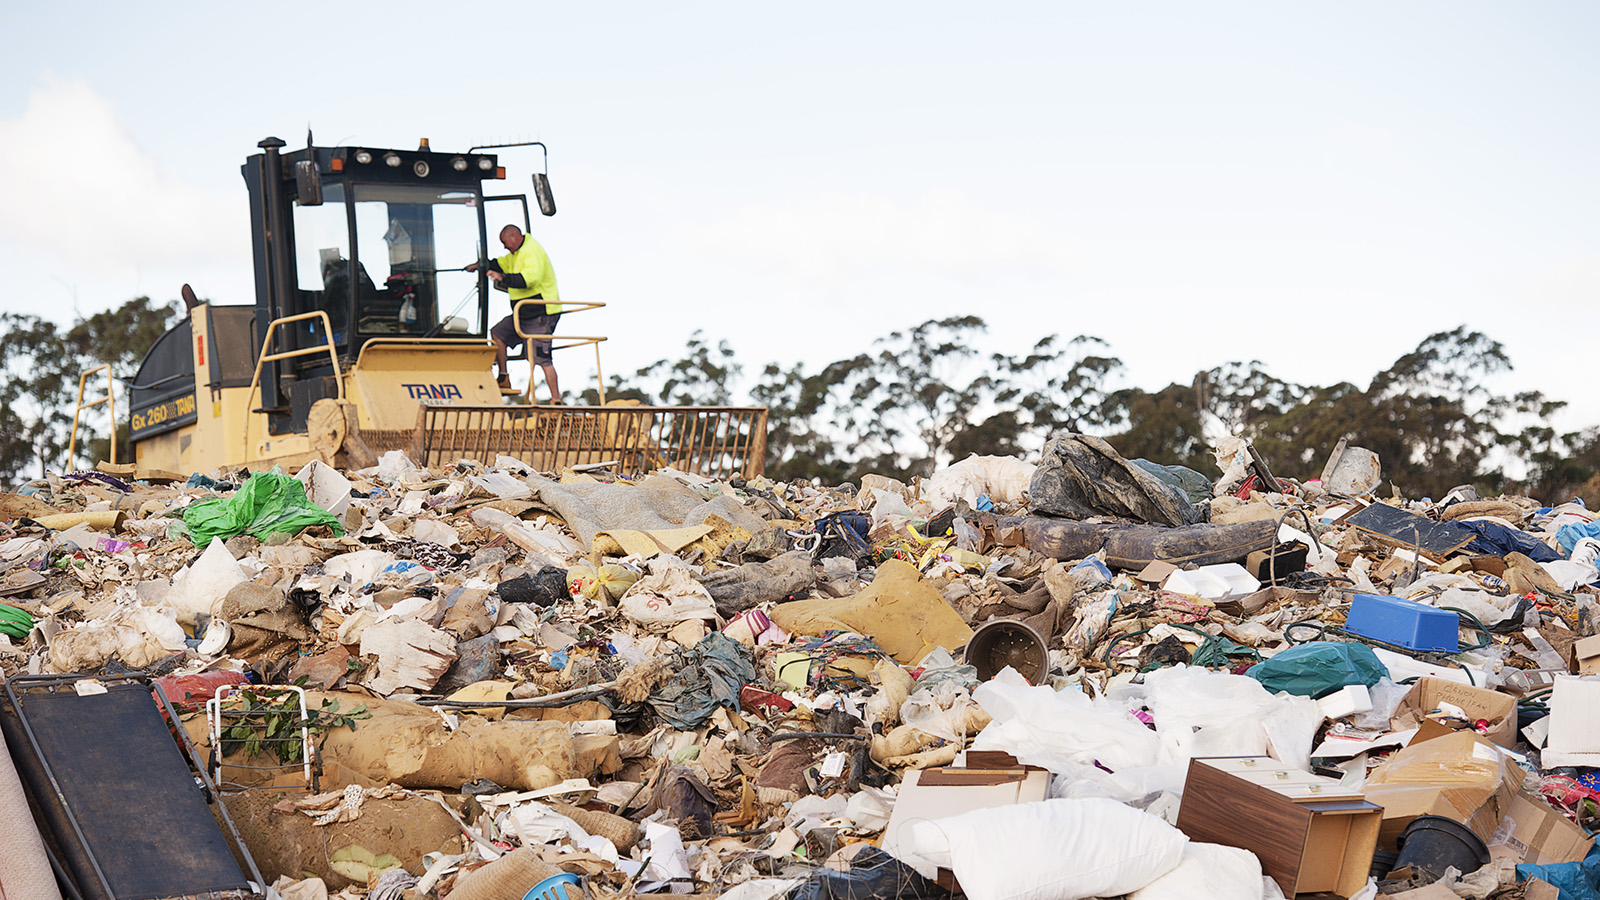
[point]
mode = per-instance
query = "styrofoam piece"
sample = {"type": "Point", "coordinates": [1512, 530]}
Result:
{"type": "Point", "coordinates": [1220, 582]}
{"type": "Point", "coordinates": [325, 487]}
{"type": "Point", "coordinates": [1347, 701]}
{"type": "Point", "coordinates": [1574, 737]}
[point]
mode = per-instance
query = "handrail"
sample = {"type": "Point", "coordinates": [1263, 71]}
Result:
{"type": "Point", "coordinates": [577, 340]}
{"type": "Point", "coordinates": [109, 398]}
{"type": "Point", "coordinates": [264, 357]}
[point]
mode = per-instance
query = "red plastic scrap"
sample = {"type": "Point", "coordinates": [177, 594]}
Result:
{"type": "Point", "coordinates": [755, 697]}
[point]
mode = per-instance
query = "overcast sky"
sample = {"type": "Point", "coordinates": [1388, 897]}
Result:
{"type": "Point", "coordinates": [1319, 186]}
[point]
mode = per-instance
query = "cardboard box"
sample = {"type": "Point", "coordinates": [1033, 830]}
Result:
{"type": "Point", "coordinates": [1277, 563]}
{"type": "Point", "coordinates": [1457, 775]}
{"type": "Point", "coordinates": [988, 779]}
{"type": "Point", "coordinates": [1500, 710]}
{"type": "Point", "coordinates": [1306, 843]}
{"type": "Point", "coordinates": [1584, 658]}
{"type": "Point", "coordinates": [1539, 834]}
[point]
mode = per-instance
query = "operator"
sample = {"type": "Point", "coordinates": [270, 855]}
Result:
{"type": "Point", "coordinates": [526, 274]}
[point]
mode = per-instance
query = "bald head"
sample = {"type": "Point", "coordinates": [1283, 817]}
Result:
{"type": "Point", "coordinates": [511, 237]}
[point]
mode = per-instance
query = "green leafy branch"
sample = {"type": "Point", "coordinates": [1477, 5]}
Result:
{"type": "Point", "coordinates": [270, 722]}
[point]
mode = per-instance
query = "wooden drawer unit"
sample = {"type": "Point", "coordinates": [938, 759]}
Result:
{"type": "Point", "coordinates": [1309, 835]}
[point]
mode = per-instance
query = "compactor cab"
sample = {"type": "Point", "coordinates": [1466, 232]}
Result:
{"type": "Point", "coordinates": [368, 334]}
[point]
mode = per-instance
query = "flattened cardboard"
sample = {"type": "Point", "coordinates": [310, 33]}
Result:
{"type": "Point", "coordinates": [1489, 565]}
{"type": "Point", "coordinates": [1540, 835]}
{"type": "Point", "coordinates": [1500, 710]}
{"type": "Point", "coordinates": [1458, 775]}
{"type": "Point", "coordinates": [1156, 572]}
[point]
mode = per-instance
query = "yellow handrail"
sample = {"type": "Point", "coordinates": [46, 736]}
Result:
{"type": "Point", "coordinates": [577, 340]}
{"type": "Point", "coordinates": [264, 357]}
{"type": "Point", "coordinates": [110, 398]}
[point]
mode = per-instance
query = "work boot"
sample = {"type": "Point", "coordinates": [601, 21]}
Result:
{"type": "Point", "coordinates": [505, 385]}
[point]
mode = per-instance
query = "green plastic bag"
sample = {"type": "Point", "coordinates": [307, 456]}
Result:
{"type": "Point", "coordinates": [268, 503]}
{"type": "Point", "coordinates": [1319, 668]}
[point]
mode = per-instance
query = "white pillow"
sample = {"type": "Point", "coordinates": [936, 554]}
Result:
{"type": "Point", "coordinates": [1208, 872]}
{"type": "Point", "coordinates": [1051, 850]}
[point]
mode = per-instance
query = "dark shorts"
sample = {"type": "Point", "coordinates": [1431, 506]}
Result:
{"type": "Point", "coordinates": [540, 351]}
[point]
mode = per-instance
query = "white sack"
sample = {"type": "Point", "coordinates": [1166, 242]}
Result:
{"type": "Point", "coordinates": [433, 531]}
{"type": "Point", "coordinates": [200, 587]}
{"type": "Point", "coordinates": [665, 597]}
{"type": "Point", "coordinates": [1003, 478]}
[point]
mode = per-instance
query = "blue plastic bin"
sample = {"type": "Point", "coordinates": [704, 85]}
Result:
{"type": "Point", "coordinates": [1404, 623]}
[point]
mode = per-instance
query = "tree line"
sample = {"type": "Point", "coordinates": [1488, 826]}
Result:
{"type": "Point", "coordinates": [927, 396]}
{"type": "Point", "coordinates": [40, 365]}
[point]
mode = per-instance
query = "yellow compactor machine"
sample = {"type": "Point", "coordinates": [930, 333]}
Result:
{"type": "Point", "coordinates": [368, 335]}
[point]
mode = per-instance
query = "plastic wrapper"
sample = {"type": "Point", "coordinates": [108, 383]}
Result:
{"type": "Point", "coordinates": [658, 602]}
{"type": "Point", "coordinates": [786, 577]}
{"type": "Point", "coordinates": [1386, 697]}
{"type": "Point", "coordinates": [606, 583]}
{"type": "Point", "coordinates": [707, 676]}
{"type": "Point", "coordinates": [268, 503]}
{"type": "Point", "coordinates": [873, 875]}
{"type": "Point", "coordinates": [1002, 478]}
{"type": "Point", "coordinates": [478, 660]}
{"type": "Point", "coordinates": [939, 668]}
{"type": "Point", "coordinates": [1204, 713]}
{"type": "Point", "coordinates": [546, 587]}
{"type": "Point", "coordinates": [1080, 476]}
{"type": "Point", "coordinates": [1319, 668]}
{"type": "Point", "coordinates": [943, 710]}
{"type": "Point", "coordinates": [1064, 732]}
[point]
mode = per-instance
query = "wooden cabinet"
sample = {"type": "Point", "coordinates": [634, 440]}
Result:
{"type": "Point", "coordinates": [1310, 835]}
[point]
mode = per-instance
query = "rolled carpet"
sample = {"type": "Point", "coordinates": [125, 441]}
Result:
{"type": "Point", "coordinates": [24, 869]}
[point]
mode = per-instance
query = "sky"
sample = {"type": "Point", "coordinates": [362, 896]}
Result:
{"type": "Point", "coordinates": [1315, 186]}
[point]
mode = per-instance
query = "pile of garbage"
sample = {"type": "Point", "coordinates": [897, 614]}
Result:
{"type": "Point", "coordinates": [1079, 677]}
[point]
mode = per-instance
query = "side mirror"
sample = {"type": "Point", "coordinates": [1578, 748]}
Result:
{"type": "Point", "coordinates": [541, 190]}
{"type": "Point", "coordinates": [308, 183]}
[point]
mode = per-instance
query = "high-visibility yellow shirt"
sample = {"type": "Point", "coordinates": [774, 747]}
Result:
{"type": "Point", "coordinates": [531, 262]}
